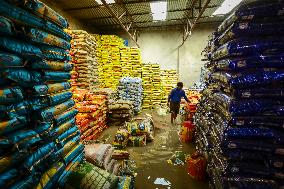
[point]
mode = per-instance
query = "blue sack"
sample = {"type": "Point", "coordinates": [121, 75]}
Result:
{"type": "Point", "coordinates": [62, 118]}
{"type": "Point", "coordinates": [59, 98]}
{"type": "Point", "coordinates": [64, 127]}
{"type": "Point", "coordinates": [275, 93]}
{"type": "Point", "coordinates": [50, 113]}
{"type": "Point", "coordinates": [8, 60]}
{"type": "Point", "coordinates": [13, 124]}
{"type": "Point", "coordinates": [74, 153]}
{"type": "Point", "coordinates": [26, 183]}
{"type": "Point", "coordinates": [21, 48]}
{"type": "Point", "coordinates": [8, 178]}
{"type": "Point", "coordinates": [22, 16]}
{"type": "Point", "coordinates": [6, 26]}
{"type": "Point", "coordinates": [53, 53]}
{"type": "Point", "coordinates": [52, 65]}
{"type": "Point", "coordinates": [45, 131]}
{"type": "Point", "coordinates": [250, 47]}
{"type": "Point", "coordinates": [11, 160]}
{"type": "Point", "coordinates": [50, 88]}
{"type": "Point", "coordinates": [56, 76]}
{"type": "Point", "coordinates": [273, 61]}
{"type": "Point", "coordinates": [23, 77]}
{"type": "Point", "coordinates": [256, 10]}
{"type": "Point", "coordinates": [11, 95]}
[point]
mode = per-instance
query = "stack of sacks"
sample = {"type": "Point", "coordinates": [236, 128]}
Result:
{"type": "Point", "coordinates": [91, 119]}
{"type": "Point", "coordinates": [131, 89]}
{"type": "Point", "coordinates": [120, 111]}
{"type": "Point", "coordinates": [156, 80]}
{"type": "Point", "coordinates": [85, 73]}
{"type": "Point", "coordinates": [147, 86]}
{"type": "Point", "coordinates": [110, 94]}
{"type": "Point", "coordinates": [39, 138]}
{"type": "Point", "coordinates": [240, 116]}
{"type": "Point", "coordinates": [136, 61]}
{"type": "Point", "coordinates": [109, 61]}
{"type": "Point", "coordinates": [169, 81]}
{"type": "Point", "coordinates": [126, 66]}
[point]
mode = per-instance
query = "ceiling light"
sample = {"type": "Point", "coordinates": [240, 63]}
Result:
{"type": "Point", "coordinates": [159, 10]}
{"type": "Point", "coordinates": [227, 6]}
{"type": "Point", "coordinates": [107, 1]}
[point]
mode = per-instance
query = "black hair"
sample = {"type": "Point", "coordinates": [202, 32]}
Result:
{"type": "Point", "coordinates": [180, 84]}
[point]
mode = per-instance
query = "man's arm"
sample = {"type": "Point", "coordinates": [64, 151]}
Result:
{"type": "Point", "coordinates": [185, 97]}
{"type": "Point", "coordinates": [170, 95]}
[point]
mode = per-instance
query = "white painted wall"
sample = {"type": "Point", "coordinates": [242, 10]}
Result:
{"type": "Point", "coordinates": [162, 47]}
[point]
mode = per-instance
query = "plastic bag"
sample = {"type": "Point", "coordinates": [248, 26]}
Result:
{"type": "Point", "coordinates": [56, 76]}
{"type": "Point", "coordinates": [62, 118]}
{"type": "Point", "coordinates": [6, 26]}
{"type": "Point", "coordinates": [52, 65]}
{"type": "Point", "coordinates": [53, 53]}
{"type": "Point", "coordinates": [50, 88]}
{"type": "Point", "coordinates": [23, 77]}
{"type": "Point", "coordinates": [11, 125]}
{"type": "Point", "coordinates": [11, 95]}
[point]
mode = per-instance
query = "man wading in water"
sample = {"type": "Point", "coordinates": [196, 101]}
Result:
{"type": "Point", "coordinates": [174, 100]}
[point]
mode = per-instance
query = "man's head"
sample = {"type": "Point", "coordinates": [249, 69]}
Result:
{"type": "Point", "coordinates": [179, 85]}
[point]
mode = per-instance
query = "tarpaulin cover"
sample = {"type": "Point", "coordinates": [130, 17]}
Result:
{"type": "Point", "coordinates": [21, 48]}
{"type": "Point", "coordinates": [250, 47]}
{"type": "Point", "coordinates": [50, 88]}
{"type": "Point", "coordinates": [272, 61]}
{"type": "Point", "coordinates": [10, 60]}
{"type": "Point", "coordinates": [11, 95]}
{"type": "Point", "coordinates": [13, 124]}
{"type": "Point", "coordinates": [52, 65]}
{"type": "Point", "coordinates": [23, 16]}
{"type": "Point", "coordinates": [39, 36]}
{"type": "Point", "coordinates": [254, 11]}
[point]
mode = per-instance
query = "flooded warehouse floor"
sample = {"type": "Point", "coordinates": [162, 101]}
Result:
{"type": "Point", "coordinates": [151, 160]}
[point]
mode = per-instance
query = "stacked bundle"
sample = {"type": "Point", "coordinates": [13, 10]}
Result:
{"type": "Point", "coordinates": [130, 88]}
{"type": "Point", "coordinates": [147, 86]}
{"type": "Point", "coordinates": [169, 80]}
{"type": "Point", "coordinates": [92, 113]}
{"type": "Point", "coordinates": [156, 83]}
{"type": "Point", "coordinates": [85, 73]}
{"type": "Point", "coordinates": [135, 61]}
{"type": "Point", "coordinates": [120, 111]}
{"type": "Point", "coordinates": [126, 66]}
{"type": "Point", "coordinates": [136, 133]}
{"type": "Point", "coordinates": [240, 119]}
{"type": "Point", "coordinates": [39, 138]}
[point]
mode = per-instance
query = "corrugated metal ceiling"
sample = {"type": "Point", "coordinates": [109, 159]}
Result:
{"type": "Point", "coordinates": [95, 15]}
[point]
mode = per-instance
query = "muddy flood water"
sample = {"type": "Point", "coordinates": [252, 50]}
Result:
{"type": "Point", "coordinates": [151, 160]}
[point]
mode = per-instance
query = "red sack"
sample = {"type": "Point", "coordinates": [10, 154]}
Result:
{"type": "Point", "coordinates": [197, 166]}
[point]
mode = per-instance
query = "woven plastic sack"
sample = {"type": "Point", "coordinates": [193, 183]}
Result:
{"type": "Point", "coordinates": [68, 135]}
{"type": "Point", "coordinates": [24, 49]}
{"type": "Point", "coordinates": [121, 138]}
{"type": "Point", "coordinates": [60, 119]}
{"type": "Point", "coordinates": [11, 95]}
{"type": "Point", "coordinates": [53, 53]}
{"type": "Point", "coordinates": [50, 88]}
{"type": "Point", "coordinates": [6, 26]}
{"type": "Point", "coordinates": [25, 183]}
{"type": "Point", "coordinates": [8, 178]}
{"type": "Point", "coordinates": [24, 77]}
{"type": "Point", "coordinates": [73, 153]}
{"type": "Point", "coordinates": [27, 18]}
{"type": "Point", "coordinates": [96, 153]}
{"type": "Point", "coordinates": [8, 60]}
{"type": "Point", "coordinates": [52, 65]}
{"type": "Point", "coordinates": [12, 124]}
{"type": "Point", "coordinates": [42, 37]}
{"type": "Point", "coordinates": [11, 160]}
{"type": "Point", "coordinates": [88, 176]}
{"type": "Point", "coordinates": [249, 182]}
{"type": "Point", "coordinates": [65, 126]}
{"type": "Point", "coordinates": [273, 61]}
{"type": "Point", "coordinates": [249, 79]}
{"type": "Point", "coordinates": [250, 47]}
{"type": "Point", "coordinates": [50, 113]}
{"type": "Point", "coordinates": [56, 76]}
{"type": "Point", "coordinates": [276, 93]}
{"type": "Point", "coordinates": [59, 98]}
{"type": "Point", "coordinates": [254, 11]}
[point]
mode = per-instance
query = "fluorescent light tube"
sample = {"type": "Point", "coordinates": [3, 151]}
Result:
{"type": "Point", "coordinates": [227, 6]}
{"type": "Point", "coordinates": [159, 10]}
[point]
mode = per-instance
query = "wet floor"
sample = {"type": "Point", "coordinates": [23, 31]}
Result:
{"type": "Point", "coordinates": [152, 162]}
